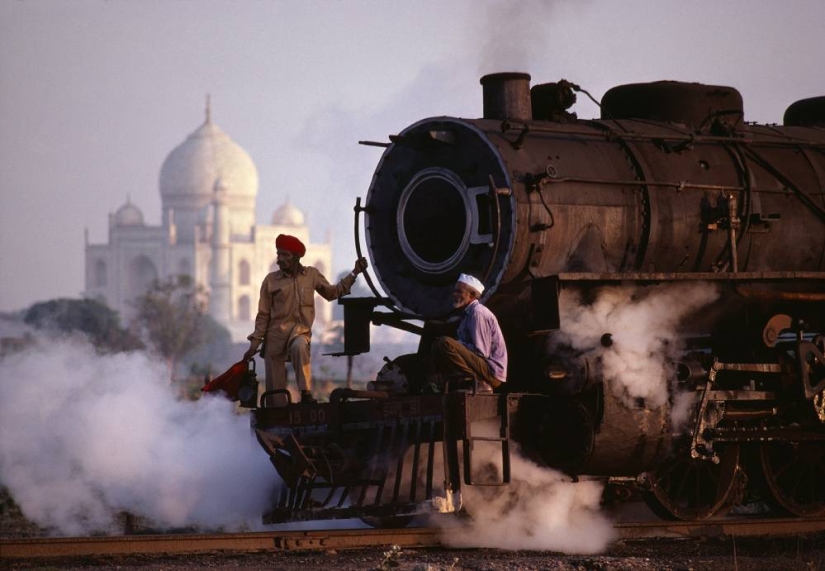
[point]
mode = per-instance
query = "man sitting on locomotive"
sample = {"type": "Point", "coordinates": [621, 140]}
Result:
{"type": "Point", "coordinates": [479, 352]}
{"type": "Point", "coordinates": [286, 311]}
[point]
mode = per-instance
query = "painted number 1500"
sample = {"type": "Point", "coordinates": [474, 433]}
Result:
{"type": "Point", "coordinates": [311, 416]}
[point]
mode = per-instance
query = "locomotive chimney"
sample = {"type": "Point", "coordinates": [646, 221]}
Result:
{"type": "Point", "coordinates": [507, 96]}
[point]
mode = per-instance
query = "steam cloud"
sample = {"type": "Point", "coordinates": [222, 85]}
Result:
{"type": "Point", "coordinates": [84, 436]}
{"type": "Point", "coordinates": [643, 323]}
{"type": "Point", "coordinates": [541, 509]}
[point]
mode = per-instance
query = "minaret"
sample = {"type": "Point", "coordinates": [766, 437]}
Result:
{"type": "Point", "coordinates": [219, 302]}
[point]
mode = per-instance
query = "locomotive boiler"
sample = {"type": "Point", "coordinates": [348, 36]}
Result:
{"type": "Point", "coordinates": [668, 194]}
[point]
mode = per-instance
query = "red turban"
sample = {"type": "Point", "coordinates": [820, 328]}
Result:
{"type": "Point", "coordinates": [290, 244]}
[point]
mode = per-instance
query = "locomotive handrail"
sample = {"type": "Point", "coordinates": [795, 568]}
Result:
{"type": "Point", "coordinates": [276, 392]}
{"type": "Point", "coordinates": [687, 137]}
{"type": "Point", "coordinates": [340, 395]}
{"type": "Point", "coordinates": [358, 210]}
{"type": "Point", "coordinates": [680, 185]}
{"type": "Point", "coordinates": [779, 295]}
{"type": "Point", "coordinates": [494, 192]}
{"type": "Point", "coordinates": [688, 276]}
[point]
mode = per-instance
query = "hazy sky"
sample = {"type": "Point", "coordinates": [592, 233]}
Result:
{"type": "Point", "coordinates": [94, 94]}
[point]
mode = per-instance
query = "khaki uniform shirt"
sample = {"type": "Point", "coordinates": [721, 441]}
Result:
{"type": "Point", "coordinates": [286, 308]}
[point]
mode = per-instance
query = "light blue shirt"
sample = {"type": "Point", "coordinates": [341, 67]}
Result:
{"type": "Point", "coordinates": [479, 331]}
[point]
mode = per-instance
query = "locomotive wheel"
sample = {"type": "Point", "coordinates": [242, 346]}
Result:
{"type": "Point", "coordinates": [686, 488]}
{"type": "Point", "coordinates": [794, 475]}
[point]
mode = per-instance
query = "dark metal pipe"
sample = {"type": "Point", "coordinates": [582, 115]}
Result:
{"type": "Point", "coordinates": [750, 414]}
{"type": "Point", "coordinates": [750, 293]}
{"type": "Point", "coordinates": [690, 371]}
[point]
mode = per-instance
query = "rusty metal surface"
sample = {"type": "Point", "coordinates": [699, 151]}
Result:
{"type": "Point", "coordinates": [694, 276]}
{"type": "Point", "coordinates": [340, 539]}
{"type": "Point", "coordinates": [635, 440]}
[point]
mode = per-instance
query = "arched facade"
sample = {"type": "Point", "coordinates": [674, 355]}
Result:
{"type": "Point", "coordinates": [208, 186]}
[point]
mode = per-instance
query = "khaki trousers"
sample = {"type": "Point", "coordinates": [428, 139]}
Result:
{"type": "Point", "coordinates": [453, 357]}
{"type": "Point", "coordinates": [300, 357]}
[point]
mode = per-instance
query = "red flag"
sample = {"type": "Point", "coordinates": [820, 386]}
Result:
{"type": "Point", "coordinates": [230, 381]}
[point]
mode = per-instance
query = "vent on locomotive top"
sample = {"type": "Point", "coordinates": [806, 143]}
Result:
{"type": "Point", "coordinates": [806, 113]}
{"type": "Point", "coordinates": [694, 105]}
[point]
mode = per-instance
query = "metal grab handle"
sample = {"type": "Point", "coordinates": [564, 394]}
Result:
{"type": "Point", "coordinates": [358, 210]}
{"type": "Point", "coordinates": [494, 193]}
{"type": "Point", "coordinates": [341, 395]}
{"type": "Point", "coordinates": [277, 392]}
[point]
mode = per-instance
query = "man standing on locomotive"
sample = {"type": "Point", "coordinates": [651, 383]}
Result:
{"type": "Point", "coordinates": [286, 311]}
{"type": "Point", "coordinates": [480, 351]}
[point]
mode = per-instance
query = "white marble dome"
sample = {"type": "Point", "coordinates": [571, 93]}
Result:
{"type": "Point", "coordinates": [208, 155]}
{"type": "Point", "coordinates": [288, 215]}
{"type": "Point", "coordinates": [128, 215]}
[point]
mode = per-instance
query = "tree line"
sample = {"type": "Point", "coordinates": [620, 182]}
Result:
{"type": "Point", "coordinates": [169, 319]}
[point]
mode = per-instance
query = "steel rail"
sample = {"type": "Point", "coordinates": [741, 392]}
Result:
{"type": "Point", "coordinates": [337, 539]}
{"type": "Point", "coordinates": [229, 542]}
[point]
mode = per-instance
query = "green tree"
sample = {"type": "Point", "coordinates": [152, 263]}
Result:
{"type": "Point", "coordinates": [213, 355]}
{"type": "Point", "coordinates": [95, 319]}
{"type": "Point", "coordinates": [171, 318]}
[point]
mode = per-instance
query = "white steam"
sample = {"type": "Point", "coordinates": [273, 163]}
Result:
{"type": "Point", "coordinates": [643, 323]}
{"type": "Point", "coordinates": [514, 35]}
{"type": "Point", "coordinates": [541, 509]}
{"type": "Point", "coordinates": [84, 436]}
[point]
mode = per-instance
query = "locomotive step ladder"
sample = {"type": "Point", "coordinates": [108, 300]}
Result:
{"type": "Point", "coordinates": [477, 409]}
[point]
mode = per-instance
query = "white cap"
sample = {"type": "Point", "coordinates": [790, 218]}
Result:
{"type": "Point", "coordinates": [471, 281]}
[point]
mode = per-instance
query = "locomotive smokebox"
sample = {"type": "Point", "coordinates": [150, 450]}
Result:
{"type": "Point", "coordinates": [507, 96]}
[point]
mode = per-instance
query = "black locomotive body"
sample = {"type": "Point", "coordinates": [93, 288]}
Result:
{"type": "Point", "coordinates": [670, 190]}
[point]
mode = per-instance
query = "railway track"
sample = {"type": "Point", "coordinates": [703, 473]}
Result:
{"type": "Point", "coordinates": [337, 539]}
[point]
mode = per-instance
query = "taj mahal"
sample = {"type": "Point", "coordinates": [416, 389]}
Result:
{"type": "Point", "coordinates": [208, 187]}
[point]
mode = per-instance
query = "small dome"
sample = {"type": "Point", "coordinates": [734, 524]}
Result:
{"type": "Point", "coordinates": [128, 215]}
{"type": "Point", "coordinates": [207, 156]}
{"type": "Point", "coordinates": [288, 215]}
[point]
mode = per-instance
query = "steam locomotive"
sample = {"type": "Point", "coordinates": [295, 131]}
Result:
{"type": "Point", "coordinates": [669, 192]}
